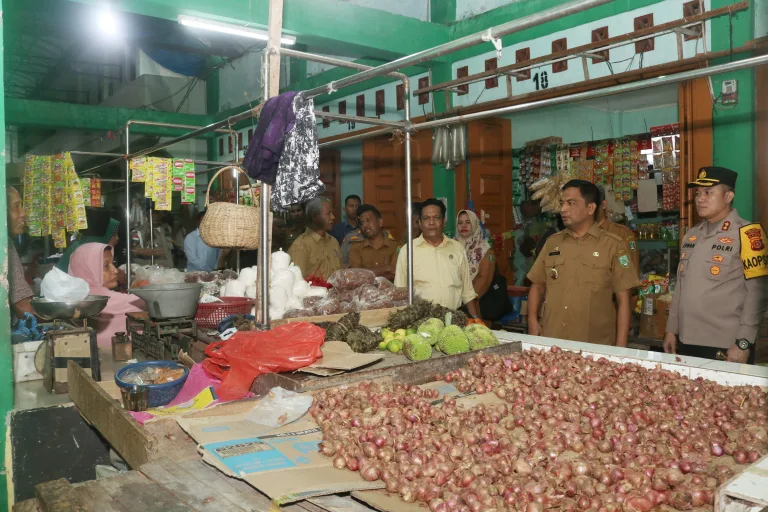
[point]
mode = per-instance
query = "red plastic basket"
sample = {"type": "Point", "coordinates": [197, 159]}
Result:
{"type": "Point", "coordinates": [210, 315]}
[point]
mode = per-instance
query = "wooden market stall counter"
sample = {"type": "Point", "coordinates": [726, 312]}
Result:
{"type": "Point", "coordinates": [170, 475]}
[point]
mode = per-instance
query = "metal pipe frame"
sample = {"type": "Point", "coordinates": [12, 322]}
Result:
{"type": "Point", "coordinates": [616, 89]}
{"type": "Point", "coordinates": [610, 43]}
{"type": "Point", "coordinates": [157, 147]}
{"type": "Point", "coordinates": [356, 119]}
{"type": "Point", "coordinates": [490, 35]}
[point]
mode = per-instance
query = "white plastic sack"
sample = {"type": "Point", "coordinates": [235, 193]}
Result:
{"type": "Point", "coordinates": [58, 286]}
{"type": "Point", "coordinates": [279, 408]}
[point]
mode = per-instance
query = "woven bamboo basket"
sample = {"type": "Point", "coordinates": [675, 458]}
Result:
{"type": "Point", "coordinates": [228, 225]}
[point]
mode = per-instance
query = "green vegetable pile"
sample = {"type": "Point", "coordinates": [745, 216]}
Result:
{"type": "Point", "coordinates": [433, 333]}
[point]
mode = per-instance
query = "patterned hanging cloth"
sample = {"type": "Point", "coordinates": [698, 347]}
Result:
{"type": "Point", "coordinates": [298, 173]}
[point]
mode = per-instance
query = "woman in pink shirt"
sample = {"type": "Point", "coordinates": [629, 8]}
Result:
{"type": "Point", "coordinates": [93, 263]}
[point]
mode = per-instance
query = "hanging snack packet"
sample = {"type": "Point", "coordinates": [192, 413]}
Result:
{"type": "Point", "coordinates": [163, 188]}
{"type": "Point", "coordinates": [149, 178]}
{"type": "Point", "coordinates": [188, 195]}
{"type": "Point", "coordinates": [95, 193]}
{"type": "Point", "coordinates": [178, 175]}
{"type": "Point", "coordinates": [139, 169]}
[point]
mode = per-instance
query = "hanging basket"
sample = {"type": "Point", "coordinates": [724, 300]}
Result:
{"type": "Point", "coordinates": [228, 225]}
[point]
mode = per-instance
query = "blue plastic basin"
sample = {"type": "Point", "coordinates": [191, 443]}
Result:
{"type": "Point", "coordinates": [159, 394]}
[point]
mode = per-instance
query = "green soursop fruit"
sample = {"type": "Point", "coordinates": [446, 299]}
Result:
{"type": "Point", "coordinates": [417, 348]}
{"type": "Point", "coordinates": [430, 329]}
{"type": "Point", "coordinates": [452, 339]}
{"type": "Point", "coordinates": [480, 337]}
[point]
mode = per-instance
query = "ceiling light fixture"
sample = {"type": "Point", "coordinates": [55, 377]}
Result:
{"type": "Point", "coordinates": [236, 30]}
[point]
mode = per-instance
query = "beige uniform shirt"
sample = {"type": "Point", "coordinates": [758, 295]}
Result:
{"type": "Point", "coordinates": [315, 254]}
{"type": "Point", "coordinates": [363, 255]}
{"type": "Point", "coordinates": [627, 234]}
{"type": "Point", "coordinates": [580, 277]}
{"type": "Point", "coordinates": [713, 304]}
{"type": "Point", "coordinates": [440, 274]}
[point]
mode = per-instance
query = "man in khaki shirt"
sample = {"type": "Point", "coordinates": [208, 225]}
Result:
{"type": "Point", "coordinates": [618, 229]}
{"type": "Point", "coordinates": [722, 279]}
{"type": "Point", "coordinates": [377, 252]}
{"type": "Point", "coordinates": [315, 251]}
{"type": "Point", "coordinates": [440, 269]}
{"type": "Point", "coordinates": [580, 269]}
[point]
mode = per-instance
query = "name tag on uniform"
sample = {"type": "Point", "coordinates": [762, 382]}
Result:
{"type": "Point", "coordinates": [555, 253]}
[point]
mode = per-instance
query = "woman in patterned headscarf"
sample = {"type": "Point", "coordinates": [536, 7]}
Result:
{"type": "Point", "coordinates": [479, 255]}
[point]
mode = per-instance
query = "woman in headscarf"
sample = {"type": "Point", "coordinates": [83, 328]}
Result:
{"type": "Point", "coordinates": [19, 293]}
{"type": "Point", "coordinates": [479, 255]}
{"type": "Point", "coordinates": [93, 262]}
{"type": "Point", "coordinates": [102, 229]}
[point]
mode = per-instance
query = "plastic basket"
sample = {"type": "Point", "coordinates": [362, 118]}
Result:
{"type": "Point", "coordinates": [159, 394]}
{"type": "Point", "coordinates": [210, 315]}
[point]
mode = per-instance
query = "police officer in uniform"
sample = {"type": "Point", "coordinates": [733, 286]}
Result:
{"type": "Point", "coordinates": [580, 269]}
{"type": "Point", "coordinates": [720, 297]}
{"type": "Point", "coordinates": [617, 229]}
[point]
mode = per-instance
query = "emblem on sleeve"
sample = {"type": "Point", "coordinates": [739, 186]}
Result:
{"type": "Point", "coordinates": [624, 260]}
{"type": "Point", "coordinates": [754, 254]}
{"type": "Point", "coordinates": [714, 270]}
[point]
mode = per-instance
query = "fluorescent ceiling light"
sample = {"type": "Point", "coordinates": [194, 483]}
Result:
{"type": "Point", "coordinates": [236, 30]}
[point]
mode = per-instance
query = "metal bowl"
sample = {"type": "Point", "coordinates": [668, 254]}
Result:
{"type": "Point", "coordinates": [170, 300]}
{"type": "Point", "coordinates": [69, 310]}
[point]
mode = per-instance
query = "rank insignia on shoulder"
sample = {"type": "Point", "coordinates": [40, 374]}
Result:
{"type": "Point", "coordinates": [491, 258]}
{"type": "Point", "coordinates": [714, 270]}
{"type": "Point", "coordinates": [624, 261]}
{"type": "Point", "coordinates": [726, 226]}
{"type": "Point", "coordinates": [596, 254]}
{"type": "Point", "coordinates": [632, 245]}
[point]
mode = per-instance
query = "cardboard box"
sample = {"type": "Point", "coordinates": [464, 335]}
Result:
{"type": "Point", "coordinates": [653, 317]}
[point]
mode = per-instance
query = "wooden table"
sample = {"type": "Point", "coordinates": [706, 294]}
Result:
{"type": "Point", "coordinates": [169, 474]}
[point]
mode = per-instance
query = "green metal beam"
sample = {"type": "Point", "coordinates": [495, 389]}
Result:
{"type": "Point", "coordinates": [57, 115]}
{"type": "Point", "coordinates": [331, 24]}
{"type": "Point", "coordinates": [442, 11]}
{"type": "Point", "coordinates": [521, 9]}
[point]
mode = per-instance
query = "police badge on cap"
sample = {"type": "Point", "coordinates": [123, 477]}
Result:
{"type": "Point", "coordinates": [711, 176]}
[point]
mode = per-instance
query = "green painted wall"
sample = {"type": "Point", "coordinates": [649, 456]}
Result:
{"type": "Point", "coordinates": [6, 354]}
{"type": "Point", "coordinates": [351, 170]}
{"type": "Point", "coordinates": [733, 130]}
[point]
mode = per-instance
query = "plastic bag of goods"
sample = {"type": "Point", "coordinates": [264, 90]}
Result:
{"type": "Point", "coordinates": [351, 278]}
{"type": "Point", "coordinates": [248, 354]}
{"type": "Point", "coordinates": [58, 286]}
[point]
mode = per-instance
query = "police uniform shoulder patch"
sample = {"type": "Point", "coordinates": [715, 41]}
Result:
{"type": "Point", "coordinates": [754, 254]}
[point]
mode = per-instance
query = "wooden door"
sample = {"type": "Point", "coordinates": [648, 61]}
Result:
{"type": "Point", "coordinates": [695, 117]}
{"type": "Point", "coordinates": [330, 175]}
{"type": "Point", "coordinates": [489, 149]}
{"type": "Point", "coordinates": [384, 176]}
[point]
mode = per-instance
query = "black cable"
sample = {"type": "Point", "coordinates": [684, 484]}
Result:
{"type": "Point", "coordinates": [478, 96]}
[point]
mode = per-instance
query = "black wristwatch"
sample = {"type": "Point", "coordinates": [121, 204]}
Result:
{"type": "Point", "coordinates": [743, 344]}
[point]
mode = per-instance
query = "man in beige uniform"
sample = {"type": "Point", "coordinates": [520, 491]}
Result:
{"type": "Point", "coordinates": [440, 268]}
{"type": "Point", "coordinates": [580, 269]}
{"type": "Point", "coordinates": [720, 296]}
{"type": "Point", "coordinates": [618, 229]}
{"type": "Point", "coordinates": [315, 251]}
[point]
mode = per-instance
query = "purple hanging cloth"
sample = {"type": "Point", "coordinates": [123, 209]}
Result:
{"type": "Point", "coordinates": [276, 120]}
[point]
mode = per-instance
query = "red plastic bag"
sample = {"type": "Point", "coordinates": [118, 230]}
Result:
{"type": "Point", "coordinates": [246, 355]}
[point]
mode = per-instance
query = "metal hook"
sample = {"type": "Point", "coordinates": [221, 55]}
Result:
{"type": "Point", "coordinates": [488, 36]}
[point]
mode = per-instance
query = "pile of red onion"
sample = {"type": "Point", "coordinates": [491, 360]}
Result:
{"type": "Point", "coordinates": [567, 432]}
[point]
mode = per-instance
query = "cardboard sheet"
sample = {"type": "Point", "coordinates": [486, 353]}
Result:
{"type": "Point", "coordinates": [338, 358]}
{"type": "Point", "coordinates": [283, 463]}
